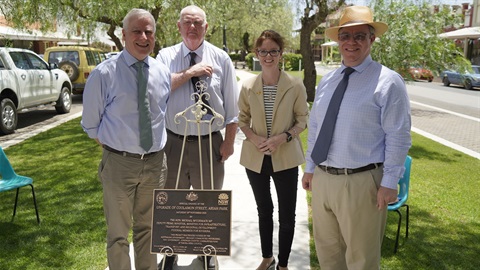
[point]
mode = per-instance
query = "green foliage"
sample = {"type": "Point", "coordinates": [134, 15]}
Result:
{"type": "Point", "coordinates": [237, 17]}
{"type": "Point", "coordinates": [249, 60]}
{"type": "Point", "coordinates": [235, 57]}
{"type": "Point", "coordinates": [413, 42]}
{"type": "Point", "coordinates": [292, 61]}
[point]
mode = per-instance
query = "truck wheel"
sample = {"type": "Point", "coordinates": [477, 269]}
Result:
{"type": "Point", "coordinates": [64, 102]}
{"type": "Point", "coordinates": [9, 116]}
{"type": "Point", "coordinates": [70, 68]}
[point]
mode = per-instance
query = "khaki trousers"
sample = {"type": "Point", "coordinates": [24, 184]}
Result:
{"type": "Point", "coordinates": [128, 185]}
{"type": "Point", "coordinates": [348, 227]}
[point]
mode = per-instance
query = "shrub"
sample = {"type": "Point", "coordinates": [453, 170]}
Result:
{"type": "Point", "coordinates": [293, 61]}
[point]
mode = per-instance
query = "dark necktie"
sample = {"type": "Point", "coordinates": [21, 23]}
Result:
{"type": "Point", "coordinates": [144, 120]}
{"type": "Point", "coordinates": [324, 139]}
{"type": "Point", "coordinates": [194, 82]}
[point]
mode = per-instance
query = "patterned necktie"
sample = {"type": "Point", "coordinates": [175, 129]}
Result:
{"type": "Point", "coordinates": [194, 82]}
{"type": "Point", "coordinates": [145, 122]}
{"type": "Point", "coordinates": [324, 139]}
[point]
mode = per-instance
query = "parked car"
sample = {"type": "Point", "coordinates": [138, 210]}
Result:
{"type": "Point", "coordinates": [420, 73]}
{"type": "Point", "coordinates": [112, 54]}
{"type": "Point", "coordinates": [76, 61]}
{"type": "Point", "coordinates": [27, 81]}
{"type": "Point", "coordinates": [466, 79]}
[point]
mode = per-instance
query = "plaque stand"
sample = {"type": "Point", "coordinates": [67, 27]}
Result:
{"type": "Point", "coordinates": [197, 114]}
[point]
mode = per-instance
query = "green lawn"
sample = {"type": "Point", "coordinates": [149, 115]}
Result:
{"type": "Point", "coordinates": [444, 212]}
{"type": "Point", "coordinates": [444, 231]}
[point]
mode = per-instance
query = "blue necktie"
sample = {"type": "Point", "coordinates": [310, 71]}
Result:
{"type": "Point", "coordinates": [144, 121]}
{"type": "Point", "coordinates": [324, 139]}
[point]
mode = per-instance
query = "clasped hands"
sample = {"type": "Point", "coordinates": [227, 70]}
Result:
{"type": "Point", "coordinates": [268, 145]}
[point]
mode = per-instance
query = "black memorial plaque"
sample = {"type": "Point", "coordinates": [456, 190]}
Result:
{"type": "Point", "coordinates": [196, 222]}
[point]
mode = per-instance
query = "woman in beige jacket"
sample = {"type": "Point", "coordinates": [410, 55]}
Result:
{"type": "Point", "coordinates": [273, 112]}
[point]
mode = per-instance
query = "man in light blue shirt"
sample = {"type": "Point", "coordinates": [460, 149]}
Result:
{"type": "Point", "coordinates": [352, 187]}
{"type": "Point", "coordinates": [196, 58]}
{"type": "Point", "coordinates": [129, 171]}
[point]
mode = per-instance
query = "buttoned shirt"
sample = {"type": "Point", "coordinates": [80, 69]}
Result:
{"type": "Point", "coordinates": [373, 124]}
{"type": "Point", "coordinates": [110, 103]}
{"type": "Point", "coordinates": [222, 86]}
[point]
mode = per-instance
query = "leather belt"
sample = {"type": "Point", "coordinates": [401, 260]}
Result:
{"type": "Point", "coordinates": [191, 138]}
{"type": "Point", "coordinates": [345, 171]}
{"type": "Point", "coordinates": [127, 154]}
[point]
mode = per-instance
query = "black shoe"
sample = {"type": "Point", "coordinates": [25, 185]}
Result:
{"type": "Point", "coordinates": [210, 262]}
{"type": "Point", "coordinates": [169, 261]}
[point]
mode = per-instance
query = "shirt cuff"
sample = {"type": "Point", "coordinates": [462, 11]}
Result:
{"type": "Point", "coordinates": [390, 182]}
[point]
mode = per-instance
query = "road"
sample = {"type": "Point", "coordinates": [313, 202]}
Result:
{"type": "Point", "coordinates": [453, 98]}
{"type": "Point", "coordinates": [35, 120]}
{"type": "Point", "coordinates": [449, 115]}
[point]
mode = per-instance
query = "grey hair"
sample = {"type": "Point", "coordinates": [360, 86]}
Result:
{"type": "Point", "coordinates": [187, 8]}
{"type": "Point", "coordinates": [138, 13]}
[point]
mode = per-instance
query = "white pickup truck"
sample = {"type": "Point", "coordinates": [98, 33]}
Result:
{"type": "Point", "coordinates": [27, 81]}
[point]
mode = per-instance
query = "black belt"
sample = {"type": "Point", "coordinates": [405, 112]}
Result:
{"type": "Point", "coordinates": [339, 171]}
{"type": "Point", "coordinates": [191, 138]}
{"type": "Point", "coordinates": [127, 154]}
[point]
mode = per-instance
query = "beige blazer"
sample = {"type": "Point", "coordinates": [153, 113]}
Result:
{"type": "Point", "coordinates": [290, 109]}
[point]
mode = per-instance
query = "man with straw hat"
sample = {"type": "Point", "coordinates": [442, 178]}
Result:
{"type": "Point", "coordinates": [358, 139]}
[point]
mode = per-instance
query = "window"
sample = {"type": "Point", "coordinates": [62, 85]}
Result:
{"type": "Point", "coordinates": [37, 63]}
{"type": "Point", "coordinates": [20, 60]}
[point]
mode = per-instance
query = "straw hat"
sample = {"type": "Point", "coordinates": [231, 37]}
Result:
{"type": "Point", "coordinates": [353, 16]}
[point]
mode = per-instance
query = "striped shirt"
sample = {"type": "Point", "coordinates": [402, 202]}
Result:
{"type": "Point", "coordinates": [269, 94]}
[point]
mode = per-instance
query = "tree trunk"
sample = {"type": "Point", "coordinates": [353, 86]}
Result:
{"type": "Point", "coordinates": [309, 24]}
{"type": "Point", "coordinates": [310, 73]}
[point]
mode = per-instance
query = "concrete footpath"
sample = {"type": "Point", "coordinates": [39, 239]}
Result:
{"type": "Point", "coordinates": [245, 240]}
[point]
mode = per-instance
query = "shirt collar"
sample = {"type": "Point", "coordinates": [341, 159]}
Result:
{"type": "Point", "coordinates": [198, 51]}
{"type": "Point", "coordinates": [360, 67]}
{"type": "Point", "coordinates": [130, 60]}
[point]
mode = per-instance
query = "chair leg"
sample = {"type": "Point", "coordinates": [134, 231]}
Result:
{"type": "Point", "coordinates": [398, 230]}
{"type": "Point", "coordinates": [35, 203]}
{"type": "Point", "coordinates": [408, 218]}
{"type": "Point", "coordinates": [15, 206]}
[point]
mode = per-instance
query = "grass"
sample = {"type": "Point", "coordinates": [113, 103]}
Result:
{"type": "Point", "coordinates": [444, 231]}
{"type": "Point", "coordinates": [62, 161]}
{"type": "Point", "coordinates": [444, 199]}
{"type": "Point", "coordinates": [444, 214]}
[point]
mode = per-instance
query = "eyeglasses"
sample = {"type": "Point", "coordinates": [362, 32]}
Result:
{"type": "Point", "coordinates": [195, 23]}
{"type": "Point", "coordinates": [356, 37]}
{"type": "Point", "coordinates": [264, 53]}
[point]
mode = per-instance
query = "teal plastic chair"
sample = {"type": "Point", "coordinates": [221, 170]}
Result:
{"type": "Point", "coordinates": [403, 186]}
{"type": "Point", "coordinates": [10, 180]}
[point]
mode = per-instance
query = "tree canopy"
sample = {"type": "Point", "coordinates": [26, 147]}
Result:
{"type": "Point", "coordinates": [87, 16]}
{"type": "Point", "coordinates": [412, 37]}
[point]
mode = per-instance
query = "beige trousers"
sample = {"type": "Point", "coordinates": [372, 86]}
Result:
{"type": "Point", "coordinates": [348, 227]}
{"type": "Point", "coordinates": [128, 185]}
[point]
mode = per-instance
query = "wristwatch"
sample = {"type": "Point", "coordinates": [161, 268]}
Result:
{"type": "Point", "coordinates": [289, 136]}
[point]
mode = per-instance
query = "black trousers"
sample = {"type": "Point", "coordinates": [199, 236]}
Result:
{"type": "Point", "coordinates": [286, 186]}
